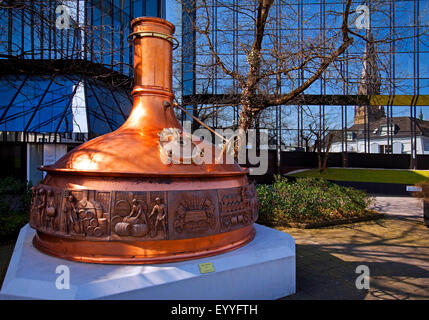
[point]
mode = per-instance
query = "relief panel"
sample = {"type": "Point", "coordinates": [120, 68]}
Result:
{"type": "Point", "coordinates": [193, 213]}
{"type": "Point", "coordinates": [45, 209]}
{"type": "Point", "coordinates": [238, 207]}
{"type": "Point", "coordinates": [139, 216]}
{"type": "Point", "coordinates": [84, 216]}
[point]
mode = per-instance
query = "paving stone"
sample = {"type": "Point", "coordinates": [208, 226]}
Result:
{"type": "Point", "coordinates": [395, 249]}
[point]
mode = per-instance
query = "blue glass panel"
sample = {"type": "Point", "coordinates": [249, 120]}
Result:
{"type": "Point", "coordinates": [117, 45]}
{"type": "Point", "coordinates": [126, 31]}
{"type": "Point", "coordinates": [126, 9]}
{"type": "Point", "coordinates": [27, 35]}
{"type": "Point", "coordinates": [106, 103]}
{"type": "Point", "coordinates": [8, 88]}
{"type": "Point", "coordinates": [25, 104]}
{"type": "Point", "coordinates": [152, 8]}
{"type": "Point", "coordinates": [107, 32]}
{"type": "Point", "coordinates": [163, 13]}
{"type": "Point", "coordinates": [67, 122]}
{"type": "Point", "coordinates": [138, 9]}
{"type": "Point", "coordinates": [96, 36]}
{"type": "Point", "coordinates": [97, 122]}
{"type": "Point", "coordinates": [188, 52]}
{"type": "Point", "coordinates": [53, 106]}
{"type": "Point", "coordinates": [36, 32]}
{"type": "Point", "coordinates": [51, 112]}
{"type": "Point", "coordinates": [96, 12]}
{"type": "Point", "coordinates": [109, 105]}
{"type": "Point", "coordinates": [16, 33]}
{"type": "Point", "coordinates": [3, 31]}
{"type": "Point", "coordinates": [124, 101]}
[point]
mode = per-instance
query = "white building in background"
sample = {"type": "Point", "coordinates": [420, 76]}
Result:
{"type": "Point", "coordinates": [400, 130]}
{"type": "Point", "coordinates": [374, 117]}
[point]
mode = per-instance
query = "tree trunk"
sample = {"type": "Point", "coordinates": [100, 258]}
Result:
{"type": "Point", "coordinates": [326, 155]}
{"type": "Point", "coordinates": [325, 162]}
{"type": "Point", "coordinates": [319, 155]}
{"type": "Point", "coordinates": [247, 115]}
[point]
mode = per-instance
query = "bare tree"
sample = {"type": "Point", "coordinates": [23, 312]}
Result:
{"type": "Point", "coordinates": [271, 73]}
{"type": "Point", "coordinates": [322, 145]}
{"type": "Point", "coordinates": [268, 61]}
{"type": "Point", "coordinates": [321, 132]}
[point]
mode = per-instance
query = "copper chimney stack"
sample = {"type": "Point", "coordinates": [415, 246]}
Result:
{"type": "Point", "coordinates": [114, 200]}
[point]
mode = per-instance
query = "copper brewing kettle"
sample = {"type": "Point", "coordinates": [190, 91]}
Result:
{"type": "Point", "coordinates": [114, 199]}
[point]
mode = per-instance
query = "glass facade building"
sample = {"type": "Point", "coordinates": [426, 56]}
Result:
{"type": "Point", "coordinates": [399, 33]}
{"type": "Point", "coordinates": [65, 76]}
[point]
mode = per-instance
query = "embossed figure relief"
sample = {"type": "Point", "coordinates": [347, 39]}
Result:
{"type": "Point", "coordinates": [41, 207]}
{"type": "Point", "coordinates": [142, 215]}
{"type": "Point", "coordinates": [133, 218]}
{"type": "Point", "coordinates": [44, 209]}
{"type": "Point", "coordinates": [160, 212]}
{"type": "Point", "coordinates": [51, 211]}
{"type": "Point", "coordinates": [68, 212]}
{"type": "Point", "coordinates": [34, 217]}
{"type": "Point", "coordinates": [92, 219]}
{"type": "Point", "coordinates": [71, 223]}
{"type": "Point", "coordinates": [134, 223]}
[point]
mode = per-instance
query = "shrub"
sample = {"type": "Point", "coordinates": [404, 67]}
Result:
{"type": "Point", "coordinates": [425, 191]}
{"type": "Point", "coordinates": [265, 202]}
{"type": "Point", "coordinates": [15, 199]}
{"type": "Point", "coordinates": [309, 200]}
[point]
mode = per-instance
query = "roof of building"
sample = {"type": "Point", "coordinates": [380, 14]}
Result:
{"type": "Point", "coordinates": [402, 128]}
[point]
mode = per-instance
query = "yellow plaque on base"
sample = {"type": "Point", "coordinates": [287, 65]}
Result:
{"type": "Point", "coordinates": [206, 267]}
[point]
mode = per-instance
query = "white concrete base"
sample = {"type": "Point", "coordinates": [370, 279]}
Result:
{"type": "Point", "coordinates": [262, 269]}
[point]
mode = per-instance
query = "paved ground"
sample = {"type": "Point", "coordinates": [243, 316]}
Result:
{"type": "Point", "coordinates": [396, 250]}
{"type": "Point", "coordinates": [402, 207]}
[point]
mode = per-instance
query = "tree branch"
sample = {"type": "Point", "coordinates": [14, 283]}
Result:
{"type": "Point", "coordinates": [347, 41]}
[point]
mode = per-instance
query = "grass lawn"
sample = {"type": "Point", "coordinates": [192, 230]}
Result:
{"type": "Point", "coordinates": [368, 175]}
